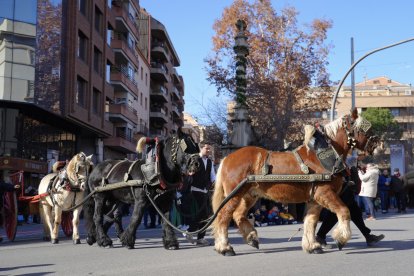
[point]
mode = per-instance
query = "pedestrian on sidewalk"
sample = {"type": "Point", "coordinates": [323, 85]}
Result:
{"type": "Point", "coordinates": [4, 187]}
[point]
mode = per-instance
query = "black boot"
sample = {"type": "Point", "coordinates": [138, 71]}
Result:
{"type": "Point", "coordinates": [323, 243]}
{"type": "Point", "coordinates": [373, 239]}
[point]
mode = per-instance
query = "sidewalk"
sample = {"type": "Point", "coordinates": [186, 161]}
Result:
{"type": "Point", "coordinates": [34, 231]}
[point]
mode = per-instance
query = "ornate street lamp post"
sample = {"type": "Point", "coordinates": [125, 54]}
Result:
{"type": "Point", "coordinates": [242, 134]}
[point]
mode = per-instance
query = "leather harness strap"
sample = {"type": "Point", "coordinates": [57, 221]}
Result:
{"type": "Point", "coordinates": [303, 167]}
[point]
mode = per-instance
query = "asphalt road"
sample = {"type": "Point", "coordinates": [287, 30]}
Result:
{"type": "Point", "coordinates": [29, 255]}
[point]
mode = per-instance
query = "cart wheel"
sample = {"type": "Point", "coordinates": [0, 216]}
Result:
{"type": "Point", "coordinates": [67, 226]}
{"type": "Point", "coordinates": [10, 214]}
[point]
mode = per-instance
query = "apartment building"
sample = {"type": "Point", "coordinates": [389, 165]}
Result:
{"type": "Point", "coordinates": [167, 86]}
{"type": "Point", "coordinates": [76, 76]}
{"type": "Point", "coordinates": [382, 92]}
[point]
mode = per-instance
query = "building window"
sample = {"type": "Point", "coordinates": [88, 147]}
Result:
{"type": "Point", "coordinates": [81, 90]}
{"type": "Point", "coordinates": [141, 99]}
{"type": "Point", "coordinates": [108, 72]}
{"type": "Point", "coordinates": [96, 101]}
{"type": "Point", "coordinates": [142, 73]}
{"type": "Point", "coordinates": [82, 46]}
{"type": "Point", "coordinates": [395, 112]}
{"type": "Point", "coordinates": [83, 7]}
{"type": "Point", "coordinates": [146, 104]}
{"type": "Point", "coordinates": [98, 21]}
{"type": "Point", "coordinates": [146, 79]}
{"type": "Point", "coordinates": [97, 61]}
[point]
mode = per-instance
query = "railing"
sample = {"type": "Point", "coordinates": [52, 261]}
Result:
{"type": "Point", "coordinates": [124, 71]}
{"type": "Point", "coordinates": [122, 134]}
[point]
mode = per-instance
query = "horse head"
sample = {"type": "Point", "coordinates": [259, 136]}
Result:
{"type": "Point", "coordinates": [352, 132]}
{"type": "Point", "coordinates": [179, 152]}
{"type": "Point", "coordinates": [78, 170]}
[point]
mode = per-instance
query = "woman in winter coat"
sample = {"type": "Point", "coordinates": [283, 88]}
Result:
{"type": "Point", "coordinates": [369, 181]}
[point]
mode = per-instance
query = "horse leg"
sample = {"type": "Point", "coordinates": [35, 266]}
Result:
{"type": "Point", "coordinates": [101, 235]}
{"type": "Point", "coordinates": [342, 232]}
{"type": "Point", "coordinates": [221, 232]}
{"type": "Point", "coordinates": [46, 214]}
{"type": "Point", "coordinates": [169, 237]}
{"type": "Point", "coordinates": [127, 238]}
{"type": "Point", "coordinates": [246, 229]}
{"type": "Point", "coordinates": [309, 243]}
{"type": "Point", "coordinates": [56, 224]}
{"type": "Point", "coordinates": [75, 223]}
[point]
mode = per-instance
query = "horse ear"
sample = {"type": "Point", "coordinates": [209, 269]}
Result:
{"type": "Point", "coordinates": [354, 113]}
{"type": "Point", "coordinates": [89, 157]}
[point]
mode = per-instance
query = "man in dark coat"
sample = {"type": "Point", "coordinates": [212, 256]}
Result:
{"type": "Point", "coordinates": [199, 185]}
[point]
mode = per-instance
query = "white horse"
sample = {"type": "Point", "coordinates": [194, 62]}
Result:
{"type": "Point", "coordinates": [62, 190]}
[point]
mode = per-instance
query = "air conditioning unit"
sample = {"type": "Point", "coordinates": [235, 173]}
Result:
{"type": "Point", "coordinates": [407, 92]}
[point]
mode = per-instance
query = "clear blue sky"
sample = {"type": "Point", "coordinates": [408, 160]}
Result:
{"type": "Point", "coordinates": [372, 24]}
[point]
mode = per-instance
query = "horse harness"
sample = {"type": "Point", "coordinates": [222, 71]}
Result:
{"type": "Point", "coordinates": [326, 154]}
{"type": "Point", "coordinates": [150, 170]}
{"type": "Point", "coordinates": [62, 180]}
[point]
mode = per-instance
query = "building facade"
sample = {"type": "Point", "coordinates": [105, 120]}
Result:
{"type": "Point", "coordinates": [382, 92]}
{"type": "Point", "coordinates": [77, 76]}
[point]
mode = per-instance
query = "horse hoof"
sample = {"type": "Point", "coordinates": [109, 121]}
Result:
{"type": "Point", "coordinates": [229, 253]}
{"type": "Point", "coordinates": [46, 238]}
{"type": "Point", "coordinates": [55, 241]}
{"type": "Point", "coordinates": [77, 241]}
{"type": "Point", "coordinates": [108, 246]}
{"type": "Point", "coordinates": [254, 243]}
{"type": "Point", "coordinates": [130, 246]}
{"type": "Point", "coordinates": [173, 247]}
{"type": "Point", "coordinates": [90, 241]}
{"type": "Point", "coordinates": [317, 251]}
{"type": "Point", "coordinates": [340, 245]}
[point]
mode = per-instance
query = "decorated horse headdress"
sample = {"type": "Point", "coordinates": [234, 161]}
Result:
{"type": "Point", "coordinates": [78, 169]}
{"type": "Point", "coordinates": [358, 132]}
{"type": "Point", "coordinates": [179, 151]}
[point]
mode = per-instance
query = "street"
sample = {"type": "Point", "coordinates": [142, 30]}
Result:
{"type": "Point", "coordinates": [29, 255]}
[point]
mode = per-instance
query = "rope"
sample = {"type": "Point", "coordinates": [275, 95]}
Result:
{"type": "Point", "coordinates": [209, 220]}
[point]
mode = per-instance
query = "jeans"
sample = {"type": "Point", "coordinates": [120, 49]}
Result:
{"type": "Point", "coordinates": [384, 200]}
{"type": "Point", "coordinates": [369, 206]}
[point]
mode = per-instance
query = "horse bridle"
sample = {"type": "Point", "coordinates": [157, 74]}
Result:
{"type": "Point", "coordinates": [181, 143]}
{"type": "Point", "coordinates": [77, 182]}
{"type": "Point", "coordinates": [352, 128]}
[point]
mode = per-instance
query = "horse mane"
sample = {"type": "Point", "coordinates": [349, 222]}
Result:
{"type": "Point", "coordinates": [309, 132]}
{"type": "Point", "coordinates": [332, 128]}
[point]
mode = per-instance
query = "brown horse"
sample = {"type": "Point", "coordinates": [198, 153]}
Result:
{"type": "Point", "coordinates": [344, 134]}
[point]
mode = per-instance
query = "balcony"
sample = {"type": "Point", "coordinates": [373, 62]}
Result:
{"type": "Point", "coordinates": [158, 115]}
{"type": "Point", "coordinates": [176, 93]}
{"type": "Point", "coordinates": [159, 94]}
{"type": "Point", "coordinates": [120, 44]}
{"type": "Point", "coordinates": [125, 21]}
{"type": "Point", "coordinates": [176, 76]}
{"type": "Point", "coordinates": [122, 113]}
{"type": "Point", "coordinates": [175, 111]}
{"type": "Point", "coordinates": [159, 51]}
{"type": "Point", "coordinates": [142, 130]}
{"type": "Point", "coordinates": [121, 142]}
{"type": "Point", "coordinates": [122, 80]}
{"type": "Point", "coordinates": [159, 72]}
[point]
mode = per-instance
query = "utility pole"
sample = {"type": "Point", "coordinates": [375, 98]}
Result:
{"type": "Point", "coordinates": [352, 75]}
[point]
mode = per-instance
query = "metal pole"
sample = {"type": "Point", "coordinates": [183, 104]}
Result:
{"type": "Point", "coordinates": [352, 67]}
{"type": "Point", "coordinates": [352, 74]}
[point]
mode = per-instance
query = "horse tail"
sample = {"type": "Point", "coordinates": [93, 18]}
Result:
{"type": "Point", "coordinates": [218, 195]}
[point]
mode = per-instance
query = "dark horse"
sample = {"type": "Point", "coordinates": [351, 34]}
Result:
{"type": "Point", "coordinates": [174, 156]}
{"type": "Point", "coordinates": [344, 134]}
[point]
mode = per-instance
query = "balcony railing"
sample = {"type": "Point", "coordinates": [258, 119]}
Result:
{"type": "Point", "coordinates": [124, 71]}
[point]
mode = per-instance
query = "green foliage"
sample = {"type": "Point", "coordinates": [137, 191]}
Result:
{"type": "Point", "coordinates": [383, 123]}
